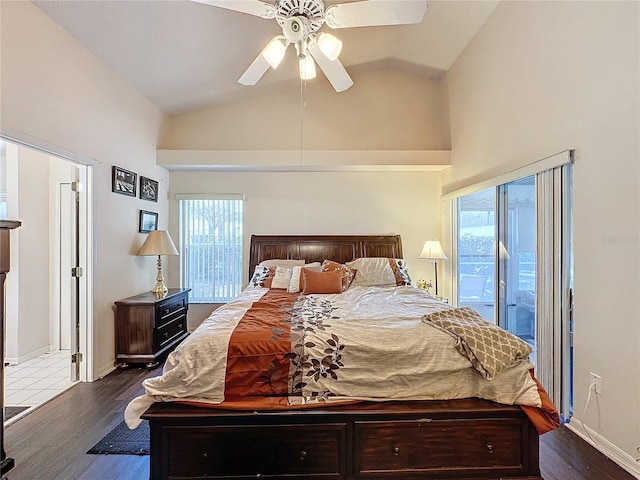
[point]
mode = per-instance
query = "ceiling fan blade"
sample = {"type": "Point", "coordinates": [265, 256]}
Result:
{"type": "Point", "coordinates": [369, 13]}
{"type": "Point", "coordinates": [255, 71]}
{"type": "Point", "coordinates": [333, 69]}
{"type": "Point", "coordinates": [252, 7]}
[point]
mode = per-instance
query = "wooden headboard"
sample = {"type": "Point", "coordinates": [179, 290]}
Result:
{"type": "Point", "coordinates": [316, 248]}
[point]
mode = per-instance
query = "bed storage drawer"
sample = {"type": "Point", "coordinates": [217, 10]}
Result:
{"type": "Point", "coordinates": [250, 451]}
{"type": "Point", "coordinates": [458, 439]}
{"type": "Point", "coordinates": [425, 447]}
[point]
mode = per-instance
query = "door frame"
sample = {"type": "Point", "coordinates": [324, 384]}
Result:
{"type": "Point", "coordinates": [85, 238]}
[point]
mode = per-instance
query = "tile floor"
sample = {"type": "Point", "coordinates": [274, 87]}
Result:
{"type": "Point", "coordinates": [36, 381]}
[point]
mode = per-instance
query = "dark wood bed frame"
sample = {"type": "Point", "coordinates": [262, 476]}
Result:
{"type": "Point", "coordinates": [461, 439]}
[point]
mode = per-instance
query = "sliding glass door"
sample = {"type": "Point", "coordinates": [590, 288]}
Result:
{"type": "Point", "coordinates": [476, 258]}
{"type": "Point", "coordinates": [496, 255]}
{"type": "Point", "coordinates": [516, 256]}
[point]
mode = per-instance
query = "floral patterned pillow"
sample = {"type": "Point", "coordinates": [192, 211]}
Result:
{"type": "Point", "coordinates": [348, 274]}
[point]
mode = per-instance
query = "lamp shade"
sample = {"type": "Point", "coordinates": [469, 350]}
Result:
{"type": "Point", "coordinates": [158, 242]}
{"type": "Point", "coordinates": [307, 68]}
{"type": "Point", "coordinates": [432, 250]}
{"type": "Point", "coordinates": [329, 45]}
{"type": "Point", "coordinates": [274, 51]}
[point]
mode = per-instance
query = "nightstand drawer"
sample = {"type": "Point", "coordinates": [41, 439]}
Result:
{"type": "Point", "coordinates": [400, 446]}
{"type": "Point", "coordinates": [250, 451]}
{"type": "Point", "coordinates": [168, 309]}
{"type": "Point", "coordinates": [170, 331]}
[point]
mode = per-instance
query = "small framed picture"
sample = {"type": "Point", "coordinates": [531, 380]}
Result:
{"type": "Point", "coordinates": [123, 181]}
{"type": "Point", "coordinates": [148, 189]}
{"type": "Point", "coordinates": [148, 221]}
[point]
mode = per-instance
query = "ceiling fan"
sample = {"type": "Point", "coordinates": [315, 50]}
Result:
{"type": "Point", "coordinates": [301, 21]}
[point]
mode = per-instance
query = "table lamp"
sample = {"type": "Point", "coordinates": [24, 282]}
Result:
{"type": "Point", "coordinates": [159, 243]}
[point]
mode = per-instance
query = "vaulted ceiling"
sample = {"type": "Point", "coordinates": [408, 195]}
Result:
{"type": "Point", "coordinates": [184, 56]}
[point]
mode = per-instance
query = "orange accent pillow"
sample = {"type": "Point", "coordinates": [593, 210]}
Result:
{"type": "Point", "coordinates": [322, 282]}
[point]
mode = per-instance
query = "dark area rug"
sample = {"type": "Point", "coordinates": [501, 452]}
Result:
{"type": "Point", "coordinates": [123, 441]}
{"type": "Point", "coordinates": [10, 412]}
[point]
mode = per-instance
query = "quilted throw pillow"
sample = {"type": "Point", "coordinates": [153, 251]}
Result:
{"type": "Point", "coordinates": [488, 347]}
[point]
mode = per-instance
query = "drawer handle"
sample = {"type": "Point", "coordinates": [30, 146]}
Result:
{"type": "Point", "coordinates": [396, 450]}
{"type": "Point", "coordinates": [303, 455]}
{"type": "Point", "coordinates": [205, 456]}
{"type": "Point", "coordinates": [490, 448]}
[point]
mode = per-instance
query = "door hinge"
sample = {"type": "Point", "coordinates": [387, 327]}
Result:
{"type": "Point", "coordinates": [76, 272]}
{"type": "Point", "coordinates": [76, 357]}
{"type": "Point", "coordinates": [76, 186]}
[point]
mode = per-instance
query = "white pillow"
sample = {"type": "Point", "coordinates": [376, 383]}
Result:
{"type": "Point", "coordinates": [281, 262]}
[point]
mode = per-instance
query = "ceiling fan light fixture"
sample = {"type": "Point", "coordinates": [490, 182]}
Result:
{"type": "Point", "coordinates": [307, 68]}
{"type": "Point", "coordinates": [274, 51]}
{"type": "Point", "coordinates": [329, 45]}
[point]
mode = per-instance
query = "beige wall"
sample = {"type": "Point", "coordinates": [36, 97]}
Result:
{"type": "Point", "coordinates": [28, 326]}
{"type": "Point", "coordinates": [54, 90]}
{"type": "Point", "coordinates": [389, 110]}
{"type": "Point", "coordinates": [406, 203]}
{"type": "Point", "coordinates": [539, 78]}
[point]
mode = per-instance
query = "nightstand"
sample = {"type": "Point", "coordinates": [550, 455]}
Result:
{"type": "Point", "coordinates": [148, 328]}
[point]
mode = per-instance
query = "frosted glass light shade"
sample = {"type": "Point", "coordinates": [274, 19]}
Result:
{"type": "Point", "coordinates": [274, 51]}
{"type": "Point", "coordinates": [329, 45]}
{"type": "Point", "coordinates": [307, 68]}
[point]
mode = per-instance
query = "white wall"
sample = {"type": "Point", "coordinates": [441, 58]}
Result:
{"type": "Point", "coordinates": [539, 78]}
{"type": "Point", "coordinates": [54, 90]}
{"type": "Point", "coordinates": [406, 203]}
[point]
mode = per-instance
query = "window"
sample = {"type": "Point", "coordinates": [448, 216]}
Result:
{"type": "Point", "coordinates": [211, 246]}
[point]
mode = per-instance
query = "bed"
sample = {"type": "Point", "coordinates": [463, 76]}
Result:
{"type": "Point", "coordinates": [356, 388]}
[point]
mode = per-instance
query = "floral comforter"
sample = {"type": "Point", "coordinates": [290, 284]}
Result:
{"type": "Point", "coordinates": [272, 349]}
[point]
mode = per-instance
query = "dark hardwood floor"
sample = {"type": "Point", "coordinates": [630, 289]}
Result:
{"type": "Point", "coordinates": [50, 443]}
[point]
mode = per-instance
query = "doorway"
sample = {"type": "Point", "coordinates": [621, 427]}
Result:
{"type": "Point", "coordinates": [43, 314]}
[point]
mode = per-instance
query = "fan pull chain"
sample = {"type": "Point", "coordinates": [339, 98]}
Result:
{"type": "Point", "coordinates": [303, 89]}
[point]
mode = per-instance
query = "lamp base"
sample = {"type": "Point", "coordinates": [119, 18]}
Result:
{"type": "Point", "coordinates": [160, 289]}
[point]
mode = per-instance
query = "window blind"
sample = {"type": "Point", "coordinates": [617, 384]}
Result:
{"type": "Point", "coordinates": [211, 237]}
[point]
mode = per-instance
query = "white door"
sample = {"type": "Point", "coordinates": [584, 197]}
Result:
{"type": "Point", "coordinates": [66, 263]}
{"type": "Point", "coordinates": [68, 259]}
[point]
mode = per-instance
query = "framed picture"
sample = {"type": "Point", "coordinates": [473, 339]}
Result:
{"type": "Point", "coordinates": [148, 189]}
{"type": "Point", "coordinates": [123, 181]}
{"type": "Point", "coordinates": [148, 221]}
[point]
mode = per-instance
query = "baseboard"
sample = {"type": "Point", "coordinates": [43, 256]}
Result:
{"type": "Point", "coordinates": [603, 445]}
{"type": "Point", "coordinates": [105, 370]}
{"type": "Point", "coordinates": [23, 358]}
